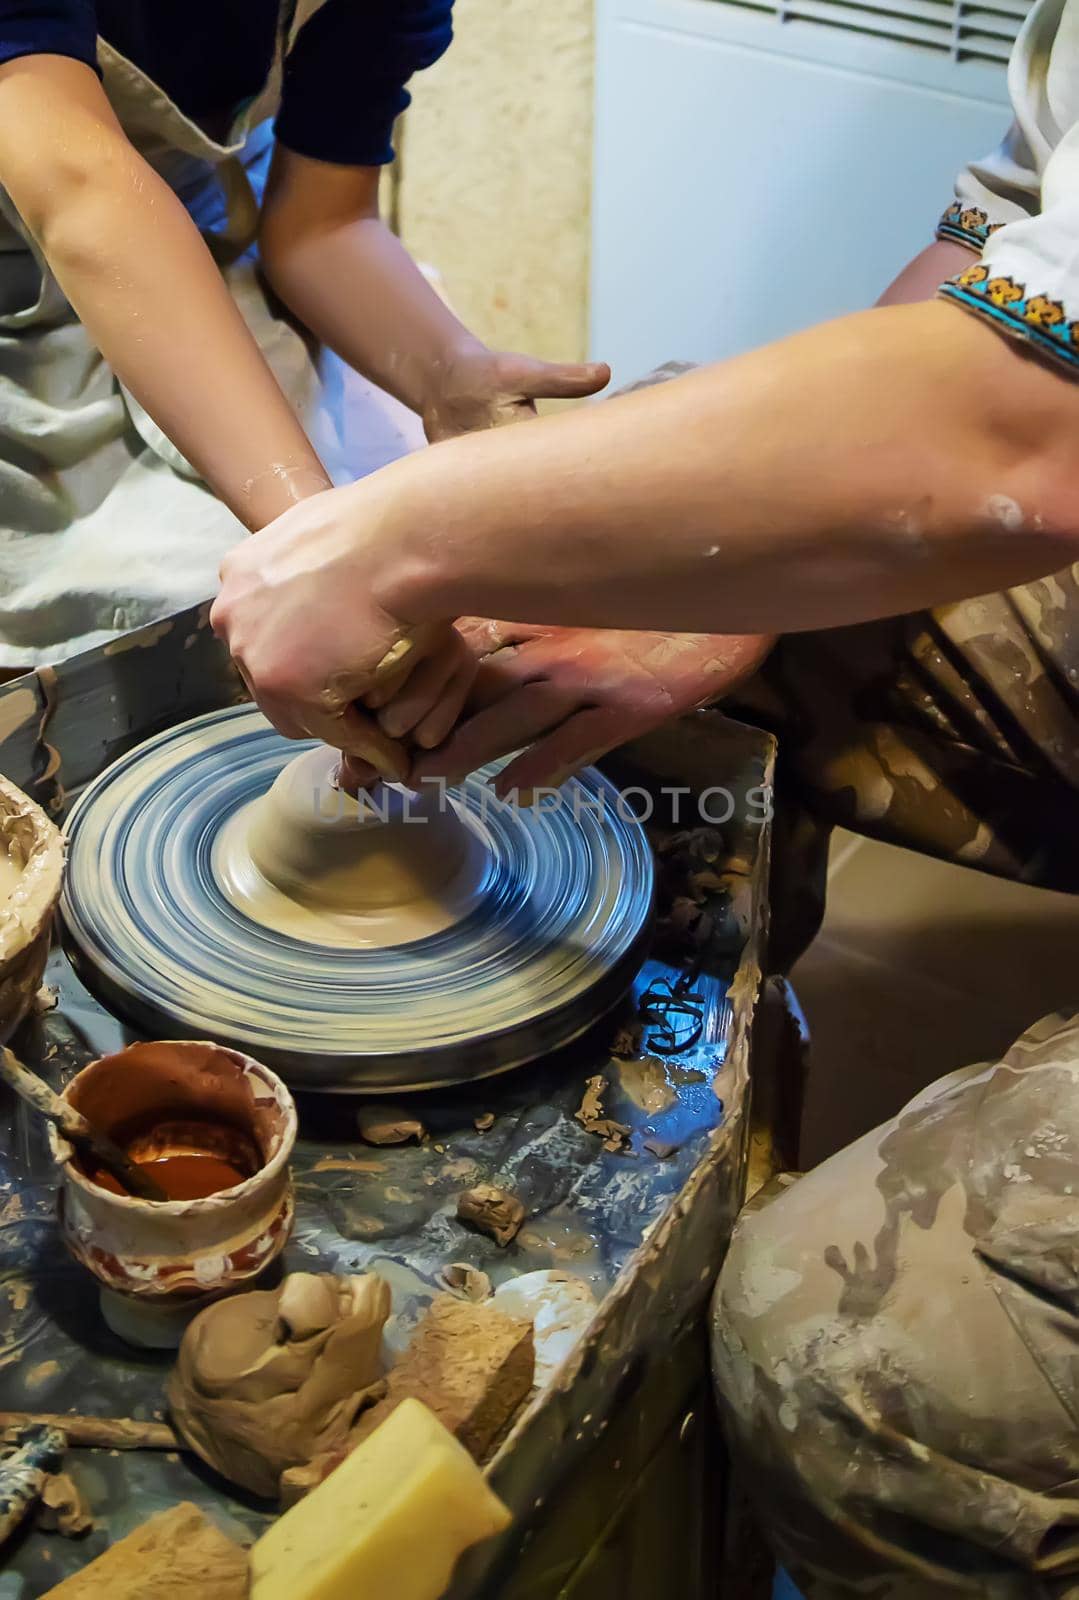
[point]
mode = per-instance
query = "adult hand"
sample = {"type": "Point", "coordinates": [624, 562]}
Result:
{"type": "Point", "coordinates": [481, 388]}
{"type": "Point", "coordinates": [300, 615]}
{"type": "Point", "coordinates": [571, 694]}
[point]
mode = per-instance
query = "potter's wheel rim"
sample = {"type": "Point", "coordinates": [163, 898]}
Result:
{"type": "Point", "coordinates": [566, 919]}
{"type": "Point", "coordinates": [409, 1074]}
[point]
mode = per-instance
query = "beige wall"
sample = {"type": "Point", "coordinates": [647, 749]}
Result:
{"type": "Point", "coordinates": [496, 172]}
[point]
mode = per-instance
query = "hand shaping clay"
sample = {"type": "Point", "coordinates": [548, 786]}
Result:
{"type": "Point", "coordinates": [471, 1365]}
{"type": "Point", "coordinates": [179, 1555]}
{"type": "Point", "coordinates": [267, 1380]}
{"type": "Point", "coordinates": [31, 867]}
{"type": "Point", "coordinates": [311, 861]}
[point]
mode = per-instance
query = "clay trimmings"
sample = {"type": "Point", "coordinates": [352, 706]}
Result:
{"type": "Point", "coordinates": [31, 865]}
{"type": "Point", "coordinates": [267, 1380]}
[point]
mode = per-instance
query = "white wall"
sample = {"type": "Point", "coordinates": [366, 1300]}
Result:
{"type": "Point", "coordinates": [496, 173]}
{"type": "Point", "coordinates": [753, 177]}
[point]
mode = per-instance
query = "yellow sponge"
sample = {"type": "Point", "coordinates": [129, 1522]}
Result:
{"type": "Point", "coordinates": [391, 1520]}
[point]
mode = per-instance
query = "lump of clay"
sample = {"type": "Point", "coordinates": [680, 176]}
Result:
{"type": "Point", "coordinates": [179, 1555]}
{"type": "Point", "coordinates": [388, 1125]}
{"type": "Point", "coordinates": [266, 1380]}
{"type": "Point", "coordinates": [465, 1281]}
{"type": "Point", "coordinates": [492, 1211]}
{"type": "Point", "coordinates": [63, 1508]}
{"type": "Point", "coordinates": [31, 868]}
{"type": "Point", "coordinates": [472, 1365]}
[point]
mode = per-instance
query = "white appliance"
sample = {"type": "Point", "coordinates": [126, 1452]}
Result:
{"type": "Point", "coordinates": [760, 166]}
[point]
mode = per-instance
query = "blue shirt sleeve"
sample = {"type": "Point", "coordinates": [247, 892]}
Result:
{"type": "Point", "coordinates": [48, 27]}
{"type": "Point", "coordinates": [346, 73]}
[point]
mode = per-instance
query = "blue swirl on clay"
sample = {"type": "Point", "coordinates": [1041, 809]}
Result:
{"type": "Point", "coordinates": [553, 939]}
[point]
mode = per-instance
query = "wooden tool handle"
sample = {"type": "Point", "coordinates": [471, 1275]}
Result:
{"type": "Point", "coordinates": [94, 1433]}
{"type": "Point", "coordinates": [74, 1126]}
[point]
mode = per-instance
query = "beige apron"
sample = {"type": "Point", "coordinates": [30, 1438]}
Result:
{"type": "Point", "coordinates": [103, 524]}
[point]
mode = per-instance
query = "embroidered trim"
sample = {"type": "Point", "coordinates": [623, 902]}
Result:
{"type": "Point", "coordinates": [967, 225]}
{"type": "Point", "coordinates": [1034, 317]}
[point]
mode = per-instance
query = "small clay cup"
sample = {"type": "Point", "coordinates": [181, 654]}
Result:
{"type": "Point", "coordinates": [159, 1263]}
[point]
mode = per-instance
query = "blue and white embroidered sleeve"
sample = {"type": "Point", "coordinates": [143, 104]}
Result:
{"type": "Point", "coordinates": [1002, 188]}
{"type": "Point", "coordinates": [1020, 208]}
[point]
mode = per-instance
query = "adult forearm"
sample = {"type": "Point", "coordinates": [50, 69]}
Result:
{"type": "Point", "coordinates": [138, 274]}
{"type": "Point", "coordinates": [896, 459]}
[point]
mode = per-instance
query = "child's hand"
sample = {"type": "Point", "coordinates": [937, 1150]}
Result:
{"type": "Point", "coordinates": [481, 388]}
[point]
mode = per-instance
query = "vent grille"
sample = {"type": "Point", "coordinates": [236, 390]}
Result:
{"type": "Point", "coordinates": [965, 31]}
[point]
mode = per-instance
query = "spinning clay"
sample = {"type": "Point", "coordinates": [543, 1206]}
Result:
{"type": "Point", "coordinates": [220, 886]}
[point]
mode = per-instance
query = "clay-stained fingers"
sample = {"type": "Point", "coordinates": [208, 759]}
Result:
{"type": "Point", "coordinates": [497, 730]}
{"type": "Point", "coordinates": [577, 742]}
{"type": "Point", "coordinates": [358, 735]}
{"type": "Point", "coordinates": [355, 774]}
{"type": "Point", "coordinates": [440, 721]}
{"type": "Point", "coordinates": [423, 693]}
{"type": "Point", "coordinates": [484, 635]}
{"type": "Point", "coordinates": [404, 657]}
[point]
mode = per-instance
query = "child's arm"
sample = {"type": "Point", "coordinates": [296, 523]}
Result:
{"type": "Point", "coordinates": [133, 265]}
{"type": "Point", "coordinates": [343, 273]}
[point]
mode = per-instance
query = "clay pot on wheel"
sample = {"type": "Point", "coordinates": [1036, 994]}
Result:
{"type": "Point", "coordinates": [159, 1263]}
{"type": "Point", "coordinates": [31, 868]}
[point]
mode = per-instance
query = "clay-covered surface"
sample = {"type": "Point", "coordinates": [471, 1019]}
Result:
{"type": "Point", "coordinates": [31, 862]}
{"type": "Point", "coordinates": [642, 1216]}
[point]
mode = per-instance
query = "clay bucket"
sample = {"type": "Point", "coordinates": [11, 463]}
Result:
{"type": "Point", "coordinates": [32, 845]}
{"type": "Point", "coordinates": [158, 1263]}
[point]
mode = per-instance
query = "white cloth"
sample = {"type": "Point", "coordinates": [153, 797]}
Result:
{"type": "Point", "coordinates": [103, 525]}
{"type": "Point", "coordinates": [1019, 207]}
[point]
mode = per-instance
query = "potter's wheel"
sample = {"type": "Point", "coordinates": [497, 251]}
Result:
{"type": "Point", "coordinates": [528, 928]}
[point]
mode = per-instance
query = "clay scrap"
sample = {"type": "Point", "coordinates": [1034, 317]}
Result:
{"type": "Point", "coordinates": [472, 1365]}
{"type": "Point", "coordinates": [644, 1081]}
{"type": "Point", "coordinates": [178, 1555]}
{"type": "Point", "coordinates": [267, 1380]}
{"type": "Point", "coordinates": [492, 1211]}
{"type": "Point", "coordinates": [466, 1282]}
{"type": "Point", "coordinates": [92, 1433]}
{"type": "Point", "coordinates": [389, 1125]}
{"type": "Point", "coordinates": [63, 1508]}
{"type": "Point", "coordinates": [590, 1115]}
{"type": "Point", "coordinates": [627, 1041]}
{"type": "Point", "coordinates": [701, 902]}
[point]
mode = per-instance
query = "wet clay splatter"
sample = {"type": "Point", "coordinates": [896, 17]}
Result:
{"type": "Point", "coordinates": [590, 1115]}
